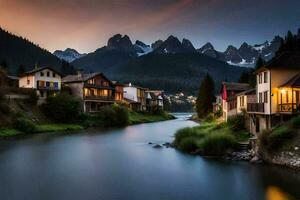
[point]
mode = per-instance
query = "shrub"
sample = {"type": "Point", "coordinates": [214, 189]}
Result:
{"type": "Point", "coordinates": [237, 123]}
{"type": "Point", "coordinates": [107, 116]}
{"type": "Point", "coordinates": [188, 144]}
{"type": "Point", "coordinates": [209, 118]}
{"type": "Point", "coordinates": [4, 108]}
{"type": "Point", "coordinates": [122, 116]}
{"type": "Point", "coordinates": [217, 144]}
{"type": "Point", "coordinates": [62, 108]}
{"type": "Point", "coordinates": [295, 122]}
{"type": "Point", "coordinates": [25, 125]}
{"type": "Point", "coordinates": [183, 133]}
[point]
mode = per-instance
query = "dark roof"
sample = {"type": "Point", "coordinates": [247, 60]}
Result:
{"type": "Point", "coordinates": [40, 69]}
{"type": "Point", "coordinates": [236, 86]}
{"type": "Point", "coordinates": [13, 77]}
{"type": "Point", "coordinates": [82, 77]}
{"type": "Point", "coordinates": [293, 82]}
{"type": "Point", "coordinates": [136, 86]}
{"type": "Point", "coordinates": [247, 92]}
{"type": "Point", "coordinates": [286, 60]}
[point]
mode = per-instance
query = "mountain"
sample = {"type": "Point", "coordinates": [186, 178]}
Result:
{"type": "Point", "coordinates": [68, 55]}
{"type": "Point", "coordinates": [16, 51]}
{"type": "Point", "coordinates": [246, 55]}
{"type": "Point", "coordinates": [172, 46]}
{"type": "Point", "coordinates": [171, 65]}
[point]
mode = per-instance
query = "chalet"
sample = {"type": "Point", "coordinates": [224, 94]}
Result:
{"type": "Point", "coordinates": [45, 80]}
{"type": "Point", "coordinates": [229, 101]}
{"type": "Point", "coordinates": [135, 96]}
{"type": "Point", "coordinates": [155, 100]}
{"type": "Point", "coordinates": [278, 92]}
{"type": "Point", "coordinates": [119, 91]}
{"type": "Point", "coordinates": [243, 98]}
{"type": "Point", "coordinates": [94, 89]}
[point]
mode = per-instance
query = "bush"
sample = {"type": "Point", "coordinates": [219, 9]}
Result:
{"type": "Point", "coordinates": [113, 116]}
{"type": "Point", "coordinates": [188, 144]}
{"type": "Point", "coordinates": [209, 118]}
{"type": "Point", "coordinates": [217, 144]}
{"type": "Point", "coordinates": [237, 123]}
{"type": "Point", "coordinates": [182, 134]}
{"type": "Point", "coordinates": [62, 108]}
{"type": "Point", "coordinates": [295, 122]}
{"type": "Point", "coordinates": [122, 116]}
{"type": "Point", "coordinates": [25, 125]}
{"type": "Point", "coordinates": [4, 108]}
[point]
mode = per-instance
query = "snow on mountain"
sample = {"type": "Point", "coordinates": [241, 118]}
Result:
{"type": "Point", "coordinates": [68, 54]}
{"type": "Point", "coordinates": [142, 48]}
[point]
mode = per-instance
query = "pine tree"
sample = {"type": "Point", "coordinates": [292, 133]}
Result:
{"type": "Point", "coordinates": [206, 97]}
{"type": "Point", "coordinates": [259, 63]}
{"type": "Point", "coordinates": [244, 78]}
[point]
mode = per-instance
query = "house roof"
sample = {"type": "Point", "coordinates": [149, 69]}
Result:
{"type": "Point", "coordinates": [236, 86]}
{"type": "Point", "coordinates": [247, 92]}
{"type": "Point", "coordinates": [131, 85]}
{"type": "Point", "coordinates": [40, 69]}
{"type": "Point", "coordinates": [293, 82]}
{"type": "Point", "coordinates": [286, 60]}
{"type": "Point", "coordinates": [82, 77]}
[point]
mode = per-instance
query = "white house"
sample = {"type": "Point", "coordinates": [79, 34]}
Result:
{"type": "Point", "coordinates": [278, 92]}
{"type": "Point", "coordinates": [45, 80]}
{"type": "Point", "coordinates": [135, 96]}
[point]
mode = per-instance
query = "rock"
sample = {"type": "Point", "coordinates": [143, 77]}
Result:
{"type": "Point", "coordinates": [157, 146]}
{"type": "Point", "coordinates": [150, 143]}
{"type": "Point", "coordinates": [256, 160]}
{"type": "Point", "coordinates": [296, 148]}
{"type": "Point", "coordinates": [167, 144]}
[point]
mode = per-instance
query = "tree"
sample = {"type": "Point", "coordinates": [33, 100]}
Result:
{"type": "Point", "coordinates": [244, 78]}
{"type": "Point", "coordinates": [206, 96]}
{"type": "Point", "coordinates": [259, 63]}
{"type": "Point", "coordinates": [21, 69]}
{"type": "Point", "coordinates": [4, 66]}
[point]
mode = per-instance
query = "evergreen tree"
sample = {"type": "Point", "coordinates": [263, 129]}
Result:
{"type": "Point", "coordinates": [206, 96]}
{"type": "Point", "coordinates": [244, 78]}
{"type": "Point", "coordinates": [259, 63]}
{"type": "Point", "coordinates": [21, 70]}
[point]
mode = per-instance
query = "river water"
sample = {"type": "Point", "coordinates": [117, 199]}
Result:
{"type": "Point", "coordinates": [120, 164]}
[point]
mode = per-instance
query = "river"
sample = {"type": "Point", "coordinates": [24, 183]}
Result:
{"type": "Point", "coordinates": [120, 164]}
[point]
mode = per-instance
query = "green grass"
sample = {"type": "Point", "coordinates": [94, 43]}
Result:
{"type": "Point", "coordinates": [58, 127]}
{"type": "Point", "coordinates": [9, 132]}
{"type": "Point", "coordinates": [137, 118]}
{"type": "Point", "coordinates": [210, 138]}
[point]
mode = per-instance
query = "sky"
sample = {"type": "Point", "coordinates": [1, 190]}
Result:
{"type": "Point", "coordinates": [86, 25]}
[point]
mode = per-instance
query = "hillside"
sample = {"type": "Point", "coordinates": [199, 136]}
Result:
{"type": "Point", "coordinates": [174, 72]}
{"type": "Point", "coordinates": [16, 51]}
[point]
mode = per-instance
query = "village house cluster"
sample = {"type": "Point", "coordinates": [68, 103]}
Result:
{"type": "Point", "coordinates": [93, 89]}
{"type": "Point", "coordinates": [275, 99]}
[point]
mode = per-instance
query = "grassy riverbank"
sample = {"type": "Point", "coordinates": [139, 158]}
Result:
{"type": "Point", "coordinates": [134, 118]}
{"type": "Point", "coordinates": [212, 138]}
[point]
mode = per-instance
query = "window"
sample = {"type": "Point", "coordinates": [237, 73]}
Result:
{"type": "Point", "coordinates": [260, 97]}
{"type": "Point", "coordinates": [266, 97]}
{"type": "Point", "coordinates": [242, 103]}
{"type": "Point", "coordinates": [53, 75]}
{"type": "Point", "coordinates": [48, 73]}
{"type": "Point", "coordinates": [260, 78]}
{"type": "Point", "coordinates": [265, 77]}
{"type": "Point", "coordinates": [42, 73]}
{"type": "Point", "coordinates": [28, 82]}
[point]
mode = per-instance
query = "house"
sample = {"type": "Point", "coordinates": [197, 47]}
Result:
{"type": "Point", "coordinates": [278, 92]}
{"type": "Point", "coordinates": [119, 91]}
{"type": "Point", "coordinates": [229, 101]}
{"type": "Point", "coordinates": [155, 100]}
{"type": "Point", "coordinates": [94, 89]}
{"type": "Point", "coordinates": [243, 98]}
{"type": "Point", "coordinates": [135, 96]}
{"type": "Point", "coordinates": [45, 80]}
{"type": "Point", "coordinates": [8, 81]}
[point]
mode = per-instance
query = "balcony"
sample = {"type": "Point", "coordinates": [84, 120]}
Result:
{"type": "Point", "coordinates": [289, 108]}
{"type": "Point", "coordinates": [52, 88]}
{"type": "Point", "coordinates": [96, 86]}
{"type": "Point", "coordinates": [100, 98]}
{"type": "Point", "coordinates": [256, 107]}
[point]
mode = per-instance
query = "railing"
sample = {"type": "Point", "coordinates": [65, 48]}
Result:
{"type": "Point", "coordinates": [101, 98]}
{"type": "Point", "coordinates": [88, 85]}
{"type": "Point", "coordinates": [47, 87]}
{"type": "Point", "coordinates": [256, 107]}
{"type": "Point", "coordinates": [289, 107]}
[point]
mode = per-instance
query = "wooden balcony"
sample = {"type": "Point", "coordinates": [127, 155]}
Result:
{"type": "Point", "coordinates": [100, 98]}
{"type": "Point", "coordinates": [256, 107]}
{"type": "Point", "coordinates": [289, 108]}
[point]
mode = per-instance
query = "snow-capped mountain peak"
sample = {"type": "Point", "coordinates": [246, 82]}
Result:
{"type": "Point", "coordinates": [68, 54]}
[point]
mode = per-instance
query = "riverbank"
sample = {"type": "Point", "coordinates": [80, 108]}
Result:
{"type": "Point", "coordinates": [134, 118]}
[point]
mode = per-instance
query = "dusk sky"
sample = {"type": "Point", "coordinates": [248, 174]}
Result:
{"type": "Point", "coordinates": [87, 24]}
